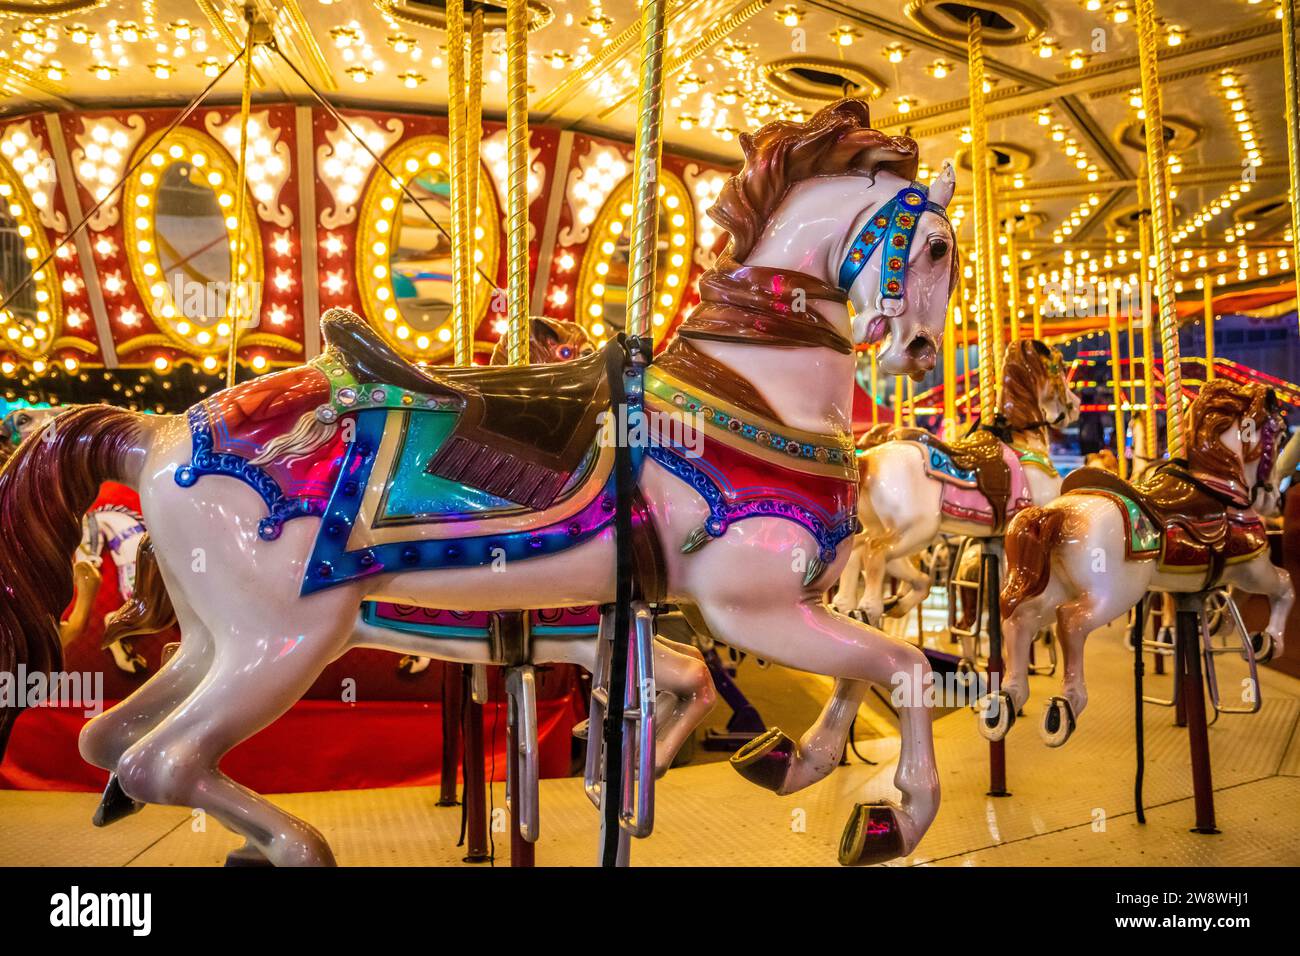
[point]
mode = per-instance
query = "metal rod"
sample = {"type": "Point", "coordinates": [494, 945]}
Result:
{"type": "Point", "coordinates": [1150, 440]}
{"type": "Point", "coordinates": [950, 369]}
{"type": "Point", "coordinates": [237, 303]}
{"type": "Point", "coordinates": [453, 680]}
{"type": "Point", "coordinates": [1013, 286]}
{"type": "Point", "coordinates": [1292, 117]}
{"type": "Point", "coordinates": [645, 221]}
{"type": "Point", "coordinates": [1116, 374]}
{"type": "Point", "coordinates": [1158, 178]}
{"type": "Point", "coordinates": [517, 188]}
{"type": "Point", "coordinates": [470, 165]}
{"type": "Point", "coordinates": [462, 297]}
{"type": "Point", "coordinates": [979, 166]}
{"type": "Point", "coordinates": [1193, 697]}
{"type": "Point", "coordinates": [1208, 288]}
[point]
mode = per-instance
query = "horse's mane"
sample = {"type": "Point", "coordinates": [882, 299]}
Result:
{"type": "Point", "coordinates": [1219, 405]}
{"type": "Point", "coordinates": [1024, 368]}
{"type": "Point", "coordinates": [837, 140]}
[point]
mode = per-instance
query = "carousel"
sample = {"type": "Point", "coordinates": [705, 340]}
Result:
{"type": "Point", "coordinates": [586, 432]}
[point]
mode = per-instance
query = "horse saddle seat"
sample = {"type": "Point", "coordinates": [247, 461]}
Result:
{"type": "Point", "coordinates": [521, 432]}
{"type": "Point", "coordinates": [1172, 498]}
{"type": "Point", "coordinates": [980, 453]}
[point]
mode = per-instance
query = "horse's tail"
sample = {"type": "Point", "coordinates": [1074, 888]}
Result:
{"type": "Point", "coordinates": [149, 609]}
{"type": "Point", "coordinates": [45, 488]}
{"type": "Point", "coordinates": [1030, 540]}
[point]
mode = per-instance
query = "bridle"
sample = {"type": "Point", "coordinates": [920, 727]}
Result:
{"type": "Point", "coordinates": [891, 227]}
{"type": "Point", "coordinates": [1268, 446]}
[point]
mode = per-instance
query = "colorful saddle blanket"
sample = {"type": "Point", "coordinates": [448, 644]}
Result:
{"type": "Point", "coordinates": [963, 499]}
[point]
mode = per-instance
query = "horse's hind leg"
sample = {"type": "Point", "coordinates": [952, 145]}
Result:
{"type": "Point", "coordinates": [250, 684]}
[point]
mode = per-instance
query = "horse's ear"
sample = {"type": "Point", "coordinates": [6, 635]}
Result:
{"type": "Point", "coordinates": [746, 145]}
{"type": "Point", "coordinates": [542, 329]}
{"type": "Point", "coordinates": [1040, 347]}
{"type": "Point", "coordinates": [945, 184]}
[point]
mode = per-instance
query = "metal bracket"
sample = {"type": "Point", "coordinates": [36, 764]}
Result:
{"type": "Point", "coordinates": [521, 686]}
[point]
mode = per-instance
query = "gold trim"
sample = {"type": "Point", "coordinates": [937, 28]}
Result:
{"type": "Point", "coordinates": [613, 212]}
{"type": "Point", "coordinates": [72, 342]}
{"type": "Point", "coordinates": [46, 10]}
{"type": "Point", "coordinates": [539, 15]}
{"type": "Point", "coordinates": [377, 290]}
{"type": "Point", "coordinates": [306, 40]}
{"type": "Point", "coordinates": [867, 85]}
{"type": "Point", "coordinates": [142, 241]}
{"type": "Point", "coordinates": [18, 206]}
{"type": "Point", "coordinates": [1028, 23]}
{"type": "Point", "coordinates": [271, 341]}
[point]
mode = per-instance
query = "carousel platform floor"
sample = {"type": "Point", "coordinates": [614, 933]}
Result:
{"type": "Point", "coordinates": [1071, 806]}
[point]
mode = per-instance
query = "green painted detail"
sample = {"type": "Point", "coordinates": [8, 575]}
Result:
{"type": "Point", "coordinates": [1143, 534]}
{"type": "Point", "coordinates": [347, 395]}
{"type": "Point", "coordinates": [1028, 456]}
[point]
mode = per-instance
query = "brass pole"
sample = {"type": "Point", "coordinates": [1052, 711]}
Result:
{"type": "Point", "coordinates": [875, 389]}
{"type": "Point", "coordinates": [1292, 117]}
{"type": "Point", "coordinates": [1209, 328]}
{"type": "Point", "coordinates": [242, 299]}
{"type": "Point", "coordinates": [898, 400]}
{"type": "Point", "coordinates": [1116, 374]}
{"type": "Point", "coordinates": [461, 288]}
{"type": "Point", "coordinates": [996, 299]}
{"type": "Point", "coordinates": [1038, 314]}
{"type": "Point", "coordinates": [984, 317]}
{"type": "Point", "coordinates": [1150, 443]}
{"type": "Point", "coordinates": [517, 187]}
{"type": "Point", "coordinates": [950, 367]}
{"type": "Point", "coordinates": [1014, 285]}
{"type": "Point", "coordinates": [1158, 177]}
{"type": "Point", "coordinates": [649, 144]}
{"type": "Point", "coordinates": [470, 164]}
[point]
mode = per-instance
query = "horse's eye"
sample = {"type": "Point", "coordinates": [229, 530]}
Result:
{"type": "Point", "coordinates": [938, 248]}
{"type": "Point", "coordinates": [565, 352]}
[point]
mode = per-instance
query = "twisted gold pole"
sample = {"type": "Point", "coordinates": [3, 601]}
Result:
{"type": "Point", "coordinates": [517, 187]}
{"type": "Point", "coordinates": [242, 299]}
{"type": "Point", "coordinates": [875, 389]}
{"type": "Point", "coordinates": [1209, 327]}
{"type": "Point", "coordinates": [1014, 285]}
{"type": "Point", "coordinates": [462, 333]}
{"type": "Point", "coordinates": [1150, 441]}
{"type": "Point", "coordinates": [980, 221]}
{"type": "Point", "coordinates": [1116, 373]}
{"type": "Point", "coordinates": [950, 366]}
{"type": "Point", "coordinates": [1158, 178]}
{"type": "Point", "coordinates": [645, 213]}
{"type": "Point", "coordinates": [470, 165]}
{"type": "Point", "coordinates": [1292, 117]}
{"type": "Point", "coordinates": [995, 276]}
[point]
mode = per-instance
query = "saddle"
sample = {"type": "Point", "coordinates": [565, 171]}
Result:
{"type": "Point", "coordinates": [980, 453]}
{"type": "Point", "coordinates": [1192, 517]}
{"type": "Point", "coordinates": [522, 431]}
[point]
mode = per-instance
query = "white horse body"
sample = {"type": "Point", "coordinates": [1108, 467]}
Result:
{"type": "Point", "coordinates": [252, 645]}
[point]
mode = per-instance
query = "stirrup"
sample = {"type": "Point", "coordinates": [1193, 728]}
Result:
{"type": "Point", "coordinates": [1159, 648]}
{"type": "Point", "coordinates": [521, 686]}
{"type": "Point", "coordinates": [637, 799]}
{"type": "Point", "coordinates": [956, 586]}
{"type": "Point", "coordinates": [1210, 650]}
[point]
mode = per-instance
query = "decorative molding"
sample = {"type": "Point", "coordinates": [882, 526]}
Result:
{"type": "Point", "coordinates": [344, 166]}
{"type": "Point", "coordinates": [268, 165]}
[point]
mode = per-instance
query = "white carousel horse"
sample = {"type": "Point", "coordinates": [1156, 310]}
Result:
{"type": "Point", "coordinates": [113, 527]}
{"type": "Point", "coordinates": [267, 585]}
{"type": "Point", "coordinates": [1093, 553]}
{"type": "Point", "coordinates": [914, 488]}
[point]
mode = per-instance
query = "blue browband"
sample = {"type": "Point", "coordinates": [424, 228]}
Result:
{"type": "Point", "coordinates": [893, 224]}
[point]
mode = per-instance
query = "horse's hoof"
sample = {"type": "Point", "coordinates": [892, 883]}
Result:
{"type": "Point", "coordinates": [997, 713]}
{"type": "Point", "coordinates": [114, 804]}
{"type": "Point", "coordinates": [247, 855]}
{"type": "Point", "coordinates": [1264, 646]}
{"type": "Point", "coordinates": [766, 759]}
{"type": "Point", "coordinates": [1058, 722]}
{"type": "Point", "coordinates": [872, 835]}
{"type": "Point", "coordinates": [580, 729]}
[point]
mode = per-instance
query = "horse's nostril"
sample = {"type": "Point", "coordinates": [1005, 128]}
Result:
{"type": "Point", "coordinates": [922, 349]}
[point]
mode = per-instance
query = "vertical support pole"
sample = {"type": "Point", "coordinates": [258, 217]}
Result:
{"type": "Point", "coordinates": [1013, 287]}
{"type": "Point", "coordinates": [996, 299]}
{"type": "Point", "coordinates": [980, 220]}
{"type": "Point", "coordinates": [462, 335]}
{"type": "Point", "coordinates": [1139, 728]}
{"type": "Point", "coordinates": [1150, 441]}
{"type": "Point", "coordinates": [1291, 115]}
{"type": "Point", "coordinates": [522, 853]}
{"type": "Point", "coordinates": [1209, 327]}
{"type": "Point", "coordinates": [898, 401]}
{"type": "Point", "coordinates": [649, 146]}
{"type": "Point", "coordinates": [1038, 314]}
{"type": "Point", "coordinates": [991, 557]}
{"type": "Point", "coordinates": [1158, 183]}
{"type": "Point", "coordinates": [1116, 374]}
{"type": "Point", "coordinates": [875, 388]}
{"type": "Point", "coordinates": [1190, 609]}
{"type": "Point", "coordinates": [475, 773]}
{"type": "Point", "coordinates": [517, 272]}
{"type": "Point", "coordinates": [242, 300]}
{"type": "Point", "coordinates": [453, 682]}
{"type": "Point", "coordinates": [950, 369]}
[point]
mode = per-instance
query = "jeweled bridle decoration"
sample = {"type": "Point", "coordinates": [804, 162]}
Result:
{"type": "Point", "coordinates": [891, 228]}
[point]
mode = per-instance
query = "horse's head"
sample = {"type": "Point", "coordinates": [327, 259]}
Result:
{"type": "Point", "coordinates": [21, 422]}
{"type": "Point", "coordinates": [1234, 432]}
{"type": "Point", "coordinates": [836, 199]}
{"type": "Point", "coordinates": [550, 340]}
{"type": "Point", "coordinates": [1036, 387]}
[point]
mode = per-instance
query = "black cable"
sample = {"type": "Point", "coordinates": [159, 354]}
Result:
{"type": "Point", "coordinates": [853, 742]}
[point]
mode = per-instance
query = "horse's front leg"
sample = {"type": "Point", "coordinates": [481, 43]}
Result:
{"type": "Point", "coordinates": [807, 635]}
{"type": "Point", "coordinates": [1262, 576]}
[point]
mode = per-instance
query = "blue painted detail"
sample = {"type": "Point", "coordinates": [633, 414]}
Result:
{"type": "Point", "coordinates": [204, 461]}
{"type": "Point", "coordinates": [706, 482]}
{"type": "Point", "coordinates": [890, 229]}
{"type": "Point", "coordinates": [562, 630]}
{"type": "Point", "coordinates": [414, 492]}
{"type": "Point", "coordinates": [942, 463]}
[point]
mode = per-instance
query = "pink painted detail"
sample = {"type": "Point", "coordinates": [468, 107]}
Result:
{"type": "Point", "coordinates": [965, 503]}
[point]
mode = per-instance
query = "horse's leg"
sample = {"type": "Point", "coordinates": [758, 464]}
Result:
{"type": "Point", "coordinates": [680, 672]}
{"type": "Point", "coordinates": [251, 682]}
{"type": "Point", "coordinates": [1262, 576]}
{"type": "Point", "coordinates": [998, 709]}
{"type": "Point", "coordinates": [917, 585]}
{"type": "Point", "coordinates": [808, 636]}
{"type": "Point", "coordinates": [846, 595]}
